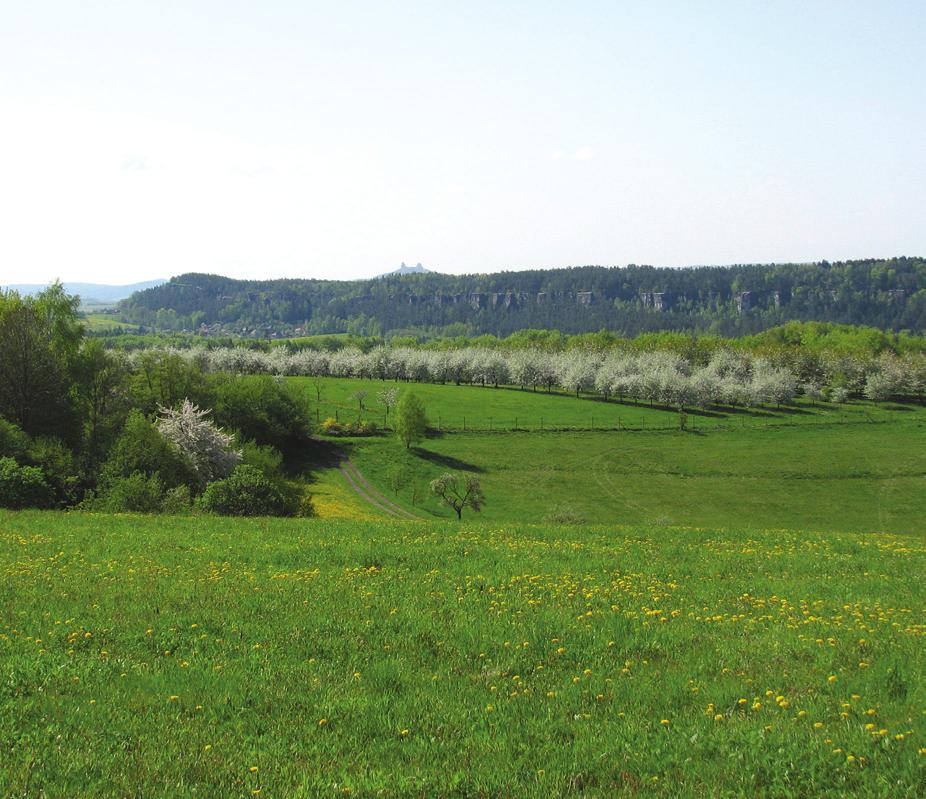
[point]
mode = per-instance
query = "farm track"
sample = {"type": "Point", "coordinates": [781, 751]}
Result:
{"type": "Point", "coordinates": [366, 491]}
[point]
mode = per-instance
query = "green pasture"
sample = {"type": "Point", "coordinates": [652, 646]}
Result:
{"type": "Point", "coordinates": [826, 478]}
{"type": "Point", "coordinates": [484, 408]}
{"type": "Point", "coordinates": [105, 323]}
{"type": "Point", "coordinates": [159, 656]}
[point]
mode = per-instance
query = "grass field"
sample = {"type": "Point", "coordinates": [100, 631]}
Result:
{"type": "Point", "coordinates": [868, 477]}
{"type": "Point", "coordinates": [855, 467]}
{"type": "Point", "coordinates": [196, 656]}
{"type": "Point", "coordinates": [105, 323]}
{"type": "Point", "coordinates": [481, 409]}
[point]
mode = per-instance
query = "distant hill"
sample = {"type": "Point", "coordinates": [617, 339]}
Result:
{"type": "Point", "coordinates": [726, 300]}
{"type": "Point", "coordinates": [417, 269]}
{"type": "Point", "coordinates": [90, 292]}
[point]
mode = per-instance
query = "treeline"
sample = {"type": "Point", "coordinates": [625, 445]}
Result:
{"type": "Point", "coordinates": [717, 376]}
{"type": "Point", "coordinates": [812, 336]}
{"type": "Point", "coordinates": [82, 426]}
{"type": "Point", "coordinates": [730, 301]}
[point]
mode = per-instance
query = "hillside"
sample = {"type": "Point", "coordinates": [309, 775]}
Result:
{"type": "Point", "coordinates": [856, 466]}
{"type": "Point", "coordinates": [731, 300]}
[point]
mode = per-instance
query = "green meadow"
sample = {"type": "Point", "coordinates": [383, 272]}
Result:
{"type": "Point", "coordinates": [488, 409]}
{"type": "Point", "coordinates": [157, 656]}
{"type": "Point", "coordinates": [742, 612]}
{"type": "Point", "coordinates": [820, 478]}
{"type": "Point", "coordinates": [852, 467]}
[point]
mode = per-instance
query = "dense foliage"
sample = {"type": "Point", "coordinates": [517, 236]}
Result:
{"type": "Point", "coordinates": [246, 492]}
{"type": "Point", "coordinates": [732, 300]}
{"type": "Point", "coordinates": [82, 425]}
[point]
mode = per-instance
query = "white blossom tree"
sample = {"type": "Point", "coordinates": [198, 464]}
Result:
{"type": "Point", "coordinates": [208, 448]}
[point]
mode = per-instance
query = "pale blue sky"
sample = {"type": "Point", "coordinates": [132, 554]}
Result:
{"type": "Point", "coordinates": [275, 138]}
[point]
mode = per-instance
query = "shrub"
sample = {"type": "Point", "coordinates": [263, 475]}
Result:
{"type": "Point", "coordinates": [177, 501]}
{"type": "Point", "coordinates": [23, 486]}
{"type": "Point", "coordinates": [137, 493]}
{"type": "Point", "coordinates": [247, 492]}
{"type": "Point", "coordinates": [264, 457]}
{"type": "Point", "coordinates": [57, 463]}
{"type": "Point", "coordinates": [141, 449]}
{"type": "Point", "coordinates": [270, 462]}
{"type": "Point", "coordinates": [332, 427]}
{"type": "Point", "coordinates": [306, 508]}
{"type": "Point", "coordinates": [263, 410]}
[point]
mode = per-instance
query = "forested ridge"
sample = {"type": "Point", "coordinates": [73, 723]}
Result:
{"type": "Point", "coordinates": [730, 300]}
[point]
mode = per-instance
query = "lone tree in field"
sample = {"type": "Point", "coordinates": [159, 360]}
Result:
{"type": "Point", "coordinates": [410, 420]}
{"type": "Point", "coordinates": [457, 493]}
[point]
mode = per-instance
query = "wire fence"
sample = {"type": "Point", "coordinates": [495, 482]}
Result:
{"type": "Point", "coordinates": [682, 422]}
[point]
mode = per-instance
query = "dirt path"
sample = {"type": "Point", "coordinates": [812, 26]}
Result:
{"type": "Point", "coordinates": [369, 493]}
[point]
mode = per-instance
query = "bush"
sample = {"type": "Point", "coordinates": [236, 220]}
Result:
{"type": "Point", "coordinates": [264, 457]}
{"type": "Point", "coordinates": [140, 448]}
{"type": "Point", "coordinates": [58, 464]}
{"type": "Point", "coordinates": [177, 501]}
{"type": "Point", "coordinates": [270, 462]}
{"type": "Point", "coordinates": [23, 486]}
{"type": "Point", "coordinates": [137, 493]}
{"type": "Point", "coordinates": [306, 508]}
{"type": "Point", "coordinates": [263, 410]}
{"type": "Point", "coordinates": [331, 427]}
{"type": "Point", "coordinates": [246, 493]}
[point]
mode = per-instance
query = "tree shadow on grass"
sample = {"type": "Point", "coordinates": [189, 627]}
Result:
{"type": "Point", "coordinates": [447, 461]}
{"type": "Point", "coordinates": [793, 410]}
{"type": "Point", "coordinates": [317, 455]}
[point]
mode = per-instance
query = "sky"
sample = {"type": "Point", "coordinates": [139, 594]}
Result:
{"type": "Point", "coordinates": [142, 140]}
